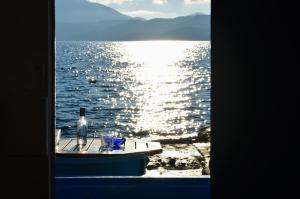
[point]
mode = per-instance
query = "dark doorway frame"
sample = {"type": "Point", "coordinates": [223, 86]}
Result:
{"type": "Point", "coordinates": [52, 90]}
{"type": "Point", "coordinates": [238, 28]}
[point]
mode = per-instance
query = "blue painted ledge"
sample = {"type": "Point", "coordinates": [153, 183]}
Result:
{"type": "Point", "coordinates": [131, 187]}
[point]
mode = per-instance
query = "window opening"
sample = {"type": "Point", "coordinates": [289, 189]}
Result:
{"type": "Point", "coordinates": [141, 70]}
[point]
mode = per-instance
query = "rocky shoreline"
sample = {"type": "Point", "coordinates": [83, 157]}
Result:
{"type": "Point", "coordinates": [187, 156]}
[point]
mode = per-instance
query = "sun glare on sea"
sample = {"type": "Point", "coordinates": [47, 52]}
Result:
{"type": "Point", "coordinates": [159, 84]}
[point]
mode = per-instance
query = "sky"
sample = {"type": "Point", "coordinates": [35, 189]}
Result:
{"type": "Point", "coordinates": [149, 9]}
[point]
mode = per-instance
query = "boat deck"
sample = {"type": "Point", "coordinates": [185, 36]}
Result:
{"type": "Point", "coordinates": [68, 147]}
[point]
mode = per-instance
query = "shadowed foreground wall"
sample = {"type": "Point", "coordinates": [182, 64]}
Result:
{"type": "Point", "coordinates": [25, 100]}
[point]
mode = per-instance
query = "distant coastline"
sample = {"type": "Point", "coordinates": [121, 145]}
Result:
{"type": "Point", "coordinates": [144, 39]}
{"type": "Point", "coordinates": [101, 23]}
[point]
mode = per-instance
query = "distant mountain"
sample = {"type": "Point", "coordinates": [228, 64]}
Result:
{"type": "Point", "coordinates": [84, 12]}
{"type": "Point", "coordinates": [82, 20]}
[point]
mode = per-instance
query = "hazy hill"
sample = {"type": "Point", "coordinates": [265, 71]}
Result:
{"type": "Point", "coordinates": [83, 12]}
{"type": "Point", "coordinates": [81, 20]}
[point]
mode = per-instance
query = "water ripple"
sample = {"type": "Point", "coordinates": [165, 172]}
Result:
{"type": "Point", "coordinates": [142, 88]}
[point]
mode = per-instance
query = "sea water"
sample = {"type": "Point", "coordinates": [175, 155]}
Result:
{"type": "Point", "coordinates": [143, 89]}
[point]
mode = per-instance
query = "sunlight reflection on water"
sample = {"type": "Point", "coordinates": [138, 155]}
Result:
{"type": "Point", "coordinates": [143, 88]}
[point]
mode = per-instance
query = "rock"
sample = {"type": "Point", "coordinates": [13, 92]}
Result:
{"type": "Point", "coordinates": [161, 170]}
{"type": "Point", "coordinates": [181, 157]}
{"type": "Point", "coordinates": [205, 171]}
{"type": "Point", "coordinates": [141, 134]}
{"type": "Point", "coordinates": [153, 165]}
{"type": "Point", "coordinates": [204, 149]}
{"type": "Point", "coordinates": [172, 162]}
{"type": "Point", "coordinates": [187, 163]}
{"type": "Point", "coordinates": [181, 165]}
{"type": "Point", "coordinates": [204, 135]}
